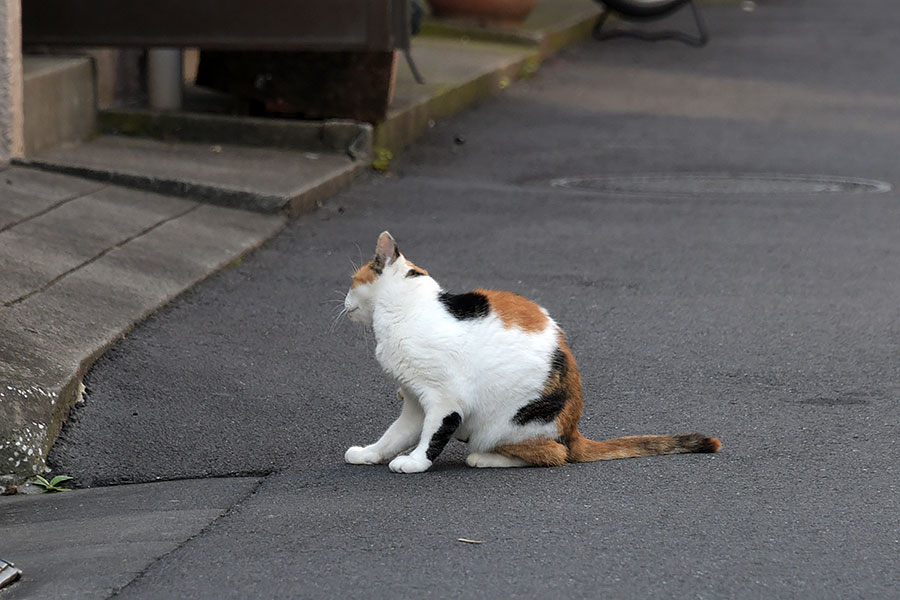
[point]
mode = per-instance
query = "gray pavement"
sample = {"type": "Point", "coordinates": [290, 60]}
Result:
{"type": "Point", "coordinates": [763, 312]}
{"type": "Point", "coordinates": [68, 548]}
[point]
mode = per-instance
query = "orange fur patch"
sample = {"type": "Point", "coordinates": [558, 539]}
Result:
{"type": "Point", "coordinates": [540, 452]}
{"type": "Point", "coordinates": [412, 266]}
{"type": "Point", "coordinates": [567, 420]}
{"type": "Point", "coordinates": [516, 311]}
{"type": "Point", "coordinates": [365, 274]}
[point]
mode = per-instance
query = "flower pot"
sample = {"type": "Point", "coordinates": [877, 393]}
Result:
{"type": "Point", "coordinates": [488, 12]}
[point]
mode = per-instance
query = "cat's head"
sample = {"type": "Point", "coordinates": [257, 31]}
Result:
{"type": "Point", "coordinates": [387, 268]}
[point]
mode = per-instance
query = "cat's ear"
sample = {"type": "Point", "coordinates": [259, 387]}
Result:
{"type": "Point", "coordinates": [386, 252]}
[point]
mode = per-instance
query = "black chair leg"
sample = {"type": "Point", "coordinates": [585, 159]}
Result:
{"type": "Point", "coordinates": [698, 40]}
{"type": "Point", "coordinates": [412, 66]}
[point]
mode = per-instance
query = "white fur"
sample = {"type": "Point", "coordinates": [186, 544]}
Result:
{"type": "Point", "coordinates": [492, 459]}
{"type": "Point", "coordinates": [477, 367]}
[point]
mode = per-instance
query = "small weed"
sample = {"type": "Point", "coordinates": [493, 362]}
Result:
{"type": "Point", "coordinates": [529, 68]}
{"type": "Point", "coordinates": [53, 484]}
{"type": "Point", "coordinates": [383, 158]}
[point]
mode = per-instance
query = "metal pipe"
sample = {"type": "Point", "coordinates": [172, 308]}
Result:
{"type": "Point", "coordinates": [165, 78]}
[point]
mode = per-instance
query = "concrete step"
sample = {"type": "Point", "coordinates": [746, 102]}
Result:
{"type": "Point", "coordinates": [259, 179]}
{"type": "Point", "coordinates": [192, 125]}
{"type": "Point", "coordinates": [60, 101]}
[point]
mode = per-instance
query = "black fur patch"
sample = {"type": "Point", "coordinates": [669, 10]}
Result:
{"type": "Point", "coordinates": [471, 305]}
{"type": "Point", "coordinates": [544, 409]}
{"type": "Point", "coordinates": [558, 365]}
{"type": "Point", "coordinates": [442, 435]}
{"type": "Point", "coordinates": [695, 442]}
{"type": "Point", "coordinates": [551, 402]}
{"type": "Point", "coordinates": [415, 273]}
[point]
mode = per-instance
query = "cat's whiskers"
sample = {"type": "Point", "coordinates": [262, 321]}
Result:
{"type": "Point", "coordinates": [335, 302]}
{"type": "Point", "coordinates": [340, 296]}
{"type": "Point", "coordinates": [365, 334]}
{"type": "Point", "coordinates": [337, 318]}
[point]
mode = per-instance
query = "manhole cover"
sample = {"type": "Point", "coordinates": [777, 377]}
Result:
{"type": "Point", "coordinates": [720, 183]}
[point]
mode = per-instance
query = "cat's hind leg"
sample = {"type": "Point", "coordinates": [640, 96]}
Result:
{"type": "Point", "coordinates": [403, 433]}
{"type": "Point", "coordinates": [493, 460]}
{"type": "Point", "coordinates": [539, 452]}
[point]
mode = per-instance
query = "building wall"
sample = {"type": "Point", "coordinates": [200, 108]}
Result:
{"type": "Point", "coordinates": [11, 112]}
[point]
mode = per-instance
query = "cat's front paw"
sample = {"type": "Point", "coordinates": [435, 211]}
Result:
{"type": "Point", "coordinates": [357, 455]}
{"type": "Point", "coordinates": [409, 464]}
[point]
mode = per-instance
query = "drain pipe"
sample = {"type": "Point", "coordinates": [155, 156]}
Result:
{"type": "Point", "coordinates": [164, 78]}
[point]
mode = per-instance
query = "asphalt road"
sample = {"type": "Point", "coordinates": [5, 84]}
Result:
{"type": "Point", "coordinates": [766, 314]}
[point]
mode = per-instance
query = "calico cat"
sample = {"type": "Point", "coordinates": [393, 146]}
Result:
{"type": "Point", "coordinates": [489, 368]}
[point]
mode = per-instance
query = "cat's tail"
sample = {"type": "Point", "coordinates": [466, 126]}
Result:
{"type": "Point", "coordinates": [582, 449]}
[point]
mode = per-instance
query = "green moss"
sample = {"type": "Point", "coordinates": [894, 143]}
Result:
{"type": "Point", "coordinates": [123, 123]}
{"type": "Point", "coordinates": [530, 67]}
{"type": "Point", "coordinates": [465, 33]}
{"type": "Point", "coordinates": [383, 158]}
